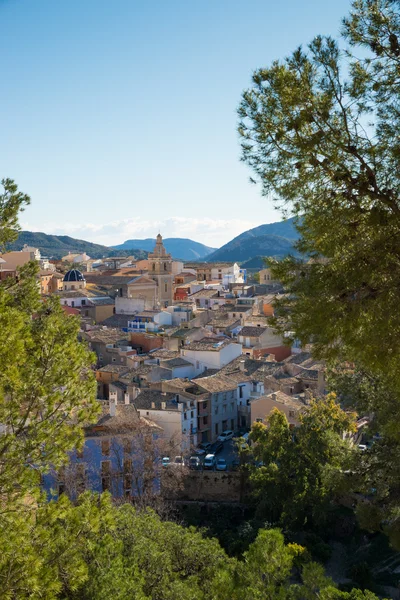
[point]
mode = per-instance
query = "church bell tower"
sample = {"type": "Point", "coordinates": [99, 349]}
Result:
{"type": "Point", "coordinates": [160, 269]}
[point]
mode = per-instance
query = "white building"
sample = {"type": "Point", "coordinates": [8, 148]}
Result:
{"type": "Point", "coordinates": [176, 415]}
{"type": "Point", "coordinates": [211, 353]}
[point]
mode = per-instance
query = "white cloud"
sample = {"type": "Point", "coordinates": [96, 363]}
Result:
{"type": "Point", "coordinates": [205, 230]}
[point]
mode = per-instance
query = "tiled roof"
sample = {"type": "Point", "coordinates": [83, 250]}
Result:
{"type": "Point", "coordinates": [101, 301]}
{"type": "Point", "coordinates": [210, 344]}
{"type": "Point", "coordinates": [176, 362]}
{"type": "Point", "coordinates": [252, 369]}
{"type": "Point", "coordinates": [107, 335]}
{"type": "Point", "coordinates": [281, 398]}
{"type": "Point", "coordinates": [111, 368]}
{"type": "Point", "coordinates": [164, 354]}
{"type": "Point", "coordinates": [248, 331]}
{"type": "Point", "coordinates": [118, 320]}
{"type": "Point", "coordinates": [146, 397]}
{"type": "Point", "coordinates": [204, 294]}
{"type": "Point", "coordinates": [217, 383]}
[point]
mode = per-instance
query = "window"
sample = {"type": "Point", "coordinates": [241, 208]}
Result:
{"type": "Point", "coordinates": [191, 414]}
{"type": "Point", "coordinates": [80, 478]}
{"type": "Point", "coordinates": [241, 391]}
{"type": "Point", "coordinates": [205, 420]}
{"type": "Point", "coordinates": [105, 475]}
{"type": "Point", "coordinates": [165, 268]}
{"type": "Point", "coordinates": [224, 408]}
{"type": "Point", "coordinates": [127, 444]}
{"type": "Point", "coordinates": [232, 408]}
{"type": "Point", "coordinates": [166, 287]}
{"type": "Point", "coordinates": [83, 302]}
{"type": "Point", "coordinates": [105, 447]}
{"type": "Point", "coordinates": [127, 474]}
{"type": "Point", "coordinates": [258, 420]}
{"type": "Point", "coordinates": [114, 359]}
{"type": "Point", "coordinates": [205, 404]}
{"type": "Point", "coordinates": [72, 304]}
{"type": "Point", "coordinates": [72, 287]}
{"type": "Point", "coordinates": [216, 428]}
{"type": "Point", "coordinates": [216, 410]}
{"type": "Point", "coordinates": [224, 425]}
{"type": "Point", "coordinates": [232, 424]}
{"type": "Point", "coordinates": [292, 413]}
{"type": "Point", "coordinates": [185, 416]}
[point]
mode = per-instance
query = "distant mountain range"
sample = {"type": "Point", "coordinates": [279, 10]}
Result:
{"type": "Point", "coordinates": [182, 248]}
{"type": "Point", "coordinates": [273, 239]}
{"type": "Point", "coordinates": [57, 246]}
{"type": "Point", "coordinates": [249, 248]}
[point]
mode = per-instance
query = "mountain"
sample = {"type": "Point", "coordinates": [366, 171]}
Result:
{"type": "Point", "coordinates": [179, 247]}
{"type": "Point", "coordinates": [273, 239]}
{"type": "Point", "coordinates": [57, 246]}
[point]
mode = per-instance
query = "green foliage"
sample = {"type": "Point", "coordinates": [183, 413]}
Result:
{"type": "Point", "coordinates": [321, 131]}
{"type": "Point", "coordinates": [301, 468]}
{"type": "Point", "coordinates": [12, 202]}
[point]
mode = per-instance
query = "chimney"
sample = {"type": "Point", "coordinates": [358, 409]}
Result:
{"type": "Point", "coordinates": [273, 396]}
{"type": "Point", "coordinates": [153, 405]}
{"type": "Point", "coordinates": [126, 398]}
{"type": "Point", "coordinates": [241, 365]}
{"type": "Point", "coordinates": [163, 405]}
{"type": "Point", "coordinates": [113, 401]}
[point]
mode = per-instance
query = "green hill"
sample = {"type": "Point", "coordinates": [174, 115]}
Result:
{"type": "Point", "coordinates": [57, 246]}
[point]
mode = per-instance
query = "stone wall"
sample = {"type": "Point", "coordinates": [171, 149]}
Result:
{"type": "Point", "coordinates": [211, 486]}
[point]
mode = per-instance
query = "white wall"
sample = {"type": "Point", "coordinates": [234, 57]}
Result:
{"type": "Point", "coordinates": [128, 306]}
{"type": "Point", "coordinates": [212, 359]}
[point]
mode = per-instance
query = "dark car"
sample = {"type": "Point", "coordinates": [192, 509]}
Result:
{"type": "Point", "coordinates": [194, 462]}
{"type": "Point", "coordinates": [218, 447]}
{"type": "Point", "coordinates": [203, 448]}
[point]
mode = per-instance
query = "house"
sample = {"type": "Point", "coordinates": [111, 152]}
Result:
{"type": "Point", "coordinates": [259, 341]}
{"type": "Point", "coordinates": [98, 309]}
{"type": "Point", "coordinates": [110, 345]}
{"type": "Point", "coordinates": [267, 278]}
{"type": "Point", "coordinates": [211, 353]}
{"type": "Point", "coordinates": [207, 298]}
{"type": "Point", "coordinates": [191, 390]}
{"type": "Point", "coordinates": [173, 368]}
{"type": "Point", "coordinates": [144, 342]}
{"type": "Point", "coordinates": [223, 411]}
{"type": "Point", "coordinates": [119, 455]}
{"type": "Point", "coordinates": [174, 413]}
{"type": "Point", "coordinates": [105, 376]}
{"type": "Point", "coordinates": [226, 273]}
{"type": "Point", "coordinates": [50, 281]}
{"type": "Point", "coordinates": [262, 407]}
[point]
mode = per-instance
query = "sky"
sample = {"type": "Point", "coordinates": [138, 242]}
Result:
{"type": "Point", "coordinates": [118, 117]}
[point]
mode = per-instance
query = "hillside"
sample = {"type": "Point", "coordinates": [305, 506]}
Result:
{"type": "Point", "coordinates": [273, 239]}
{"type": "Point", "coordinates": [57, 246]}
{"type": "Point", "coordinates": [182, 248]}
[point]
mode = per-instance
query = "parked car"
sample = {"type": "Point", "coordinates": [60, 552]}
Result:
{"type": "Point", "coordinates": [362, 447]}
{"type": "Point", "coordinates": [203, 448]}
{"type": "Point", "coordinates": [218, 447]}
{"type": "Point", "coordinates": [225, 435]}
{"type": "Point", "coordinates": [209, 461]}
{"type": "Point", "coordinates": [165, 461]}
{"type": "Point", "coordinates": [179, 460]}
{"type": "Point", "coordinates": [194, 462]}
{"type": "Point", "coordinates": [221, 464]}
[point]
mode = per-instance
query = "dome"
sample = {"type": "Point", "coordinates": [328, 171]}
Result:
{"type": "Point", "coordinates": [73, 275]}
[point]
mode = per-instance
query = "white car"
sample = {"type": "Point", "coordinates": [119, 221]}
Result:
{"type": "Point", "coordinates": [209, 461]}
{"type": "Point", "coordinates": [221, 464]}
{"type": "Point", "coordinates": [225, 435]}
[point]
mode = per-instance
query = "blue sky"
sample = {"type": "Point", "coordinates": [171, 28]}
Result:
{"type": "Point", "coordinates": [118, 117]}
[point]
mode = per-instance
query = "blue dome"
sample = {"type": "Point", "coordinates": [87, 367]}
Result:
{"type": "Point", "coordinates": [73, 275]}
